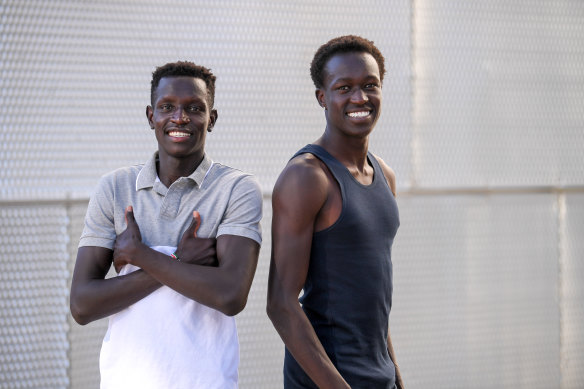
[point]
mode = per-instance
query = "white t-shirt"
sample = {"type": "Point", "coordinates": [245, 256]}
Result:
{"type": "Point", "coordinates": [151, 345]}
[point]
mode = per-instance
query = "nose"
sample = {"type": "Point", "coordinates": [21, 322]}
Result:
{"type": "Point", "coordinates": [359, 96]}
{"type": "Point", "coordinates": [180, 116]}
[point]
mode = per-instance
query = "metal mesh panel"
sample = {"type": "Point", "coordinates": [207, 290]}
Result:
{"type": "Point", "coordinates": [87, 67]}
{"type": "Point", "coordinates": [261, 350]}
{"type": "Point", "coordinates": [33, 291]}
{"type": "Point", "coordinates": [478, 94]}
{"type": "Point", "coordinates": [498, 95]}
{"type": "Point", "coordinates": [475, 305]}
{"type": "Point", "coordinates": [66, 115]}
{"type": "Point", "coordinates": [85, 341]}
{"type": "Point", "coordinates": [572, 335]}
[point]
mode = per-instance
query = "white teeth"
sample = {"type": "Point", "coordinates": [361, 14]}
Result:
{"type": "Point", "coordinates": [361, 114]}
{"type": "Point", "coordinates": [178, 134]}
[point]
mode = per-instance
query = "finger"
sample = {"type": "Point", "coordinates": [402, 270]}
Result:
{"type": "Point", "coordinates": [129, 215]}
{"type": "Point", "coordinates": [194, 226]}
{"type": "Point", "coordinates": [197, 221]}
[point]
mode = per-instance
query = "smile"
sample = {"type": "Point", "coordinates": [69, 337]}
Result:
{"type": "Point", "coordinates": [360, 114]}
{"type": "Point", "coordinates": [179, 134]}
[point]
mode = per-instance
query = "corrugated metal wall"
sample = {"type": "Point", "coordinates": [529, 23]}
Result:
{"type": "Point", "coordinates": [483, 122]}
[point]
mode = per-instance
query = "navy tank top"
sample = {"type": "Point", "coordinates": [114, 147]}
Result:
{"type": "Point", "coordinates": [348, 289]}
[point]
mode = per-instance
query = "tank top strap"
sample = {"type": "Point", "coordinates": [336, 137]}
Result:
{"type": "Point", "coordinates": [374, 162]}
{"type": "Point", "coordinates": [378, 171]}
{"type": "Point", "coordinates": [320, 152]}
{"type": "Point", "coordinates": [338, 170]}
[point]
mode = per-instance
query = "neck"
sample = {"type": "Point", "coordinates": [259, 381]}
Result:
{"type": "Point", "coordinates": [170, 169]}
{"type": "Point", "coordinates": [350, 151]}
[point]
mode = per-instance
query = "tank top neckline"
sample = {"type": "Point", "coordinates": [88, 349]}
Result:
{"type": "Point", "coordinates": [370, 158]}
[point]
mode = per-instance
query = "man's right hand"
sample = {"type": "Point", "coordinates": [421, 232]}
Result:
{"type": "Point", "coordinates": [198, 251]}
{"type": "Point", "coordinates": [127, 241]}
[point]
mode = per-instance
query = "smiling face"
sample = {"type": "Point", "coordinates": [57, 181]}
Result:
{"type": "Point", "coordinates": [181, 116]}
{"type": "Point", "coordinates": [351, 94]}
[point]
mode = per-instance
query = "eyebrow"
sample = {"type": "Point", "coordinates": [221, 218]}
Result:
{"type": "Point", "coordinates": [347, 79]}
{"type": "Point", "coordinates": [194, 99]}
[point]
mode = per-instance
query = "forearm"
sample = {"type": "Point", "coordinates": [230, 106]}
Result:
{"type": "Point", "coordinates": [224, 288]}
{"type": "Point", "coordinates": [99, 298]}
{"type": "Point", "coordinates": [398, 378]}
{"type": "Point", "coordinates": [299, 337]}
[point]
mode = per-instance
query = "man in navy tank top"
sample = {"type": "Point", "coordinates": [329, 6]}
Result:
{"type": "Point", "coordinates": [334, 221]}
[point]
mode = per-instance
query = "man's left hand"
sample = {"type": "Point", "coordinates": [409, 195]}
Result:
{"type": "Point", "coordinates": [195, 250]}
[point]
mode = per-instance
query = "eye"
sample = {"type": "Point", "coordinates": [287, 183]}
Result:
{"type": "Point", "coordinates": [194, 108]}
{"type": "Point", "coordinates": [371, 85]}
{"type": "Point", "coordinates": [343, 88]}
{"type": "Point", "coordinates": [165, 107]}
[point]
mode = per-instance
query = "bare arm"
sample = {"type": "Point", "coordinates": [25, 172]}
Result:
{"type": "Point", "coordinates": [224, 288]}
{"type": "Point", "coordinates": [297, 199]}
{"type": "Point", "coordinates": [398, 378]}
{"type": "Point", "coordinates": [390, 177]}
{"type": "Point", "coordinates": [93, 297]}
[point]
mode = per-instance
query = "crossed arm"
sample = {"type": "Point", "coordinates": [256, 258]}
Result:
{"type": "Point", "coordinates": [217, 273]}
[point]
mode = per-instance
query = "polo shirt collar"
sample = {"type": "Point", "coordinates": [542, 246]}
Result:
{"type": "Point", "coordinates": [147, 177]}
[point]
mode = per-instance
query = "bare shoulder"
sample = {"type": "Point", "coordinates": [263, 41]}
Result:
{"type": "Point", "coordinates": [303, 173]}
{"type": "Point", "coordinates": [304, 183]}
{"type": "Point", "coordinates": [388, 173]}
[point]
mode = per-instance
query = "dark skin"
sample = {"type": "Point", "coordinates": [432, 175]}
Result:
{"type": "Point", "coordinates": [101, 297]}
{"type": "Point", "coordinates": [307, 198]}
{"type": "Point", "coordinates": [215, 272]}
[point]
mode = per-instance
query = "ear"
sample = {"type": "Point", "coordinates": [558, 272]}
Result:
{"type": "Point", "coordinates": [319, 93]}
{"type": "Point", "coordinates": [212, 119]}
{"type": "Point", "coordinates": [149, 113]}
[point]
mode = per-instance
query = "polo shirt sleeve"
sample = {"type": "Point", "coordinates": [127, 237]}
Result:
{"type": "Point", "coordinates": [99, 229]}
{"type": "Point", "coordinates": [244, 210]}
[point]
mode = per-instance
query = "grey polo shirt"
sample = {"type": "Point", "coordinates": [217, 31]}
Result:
{"type": "Point", "coordinates": [229, 201]}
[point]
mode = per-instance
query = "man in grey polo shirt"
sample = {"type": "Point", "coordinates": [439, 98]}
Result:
{"type": "Point", "coordinates": [184, 234]}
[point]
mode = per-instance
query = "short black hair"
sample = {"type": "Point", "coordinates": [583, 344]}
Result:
{"type": "Point", "coordinates": [343, 44]}
{"type": "Point", "coordinates": [184, 68]}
